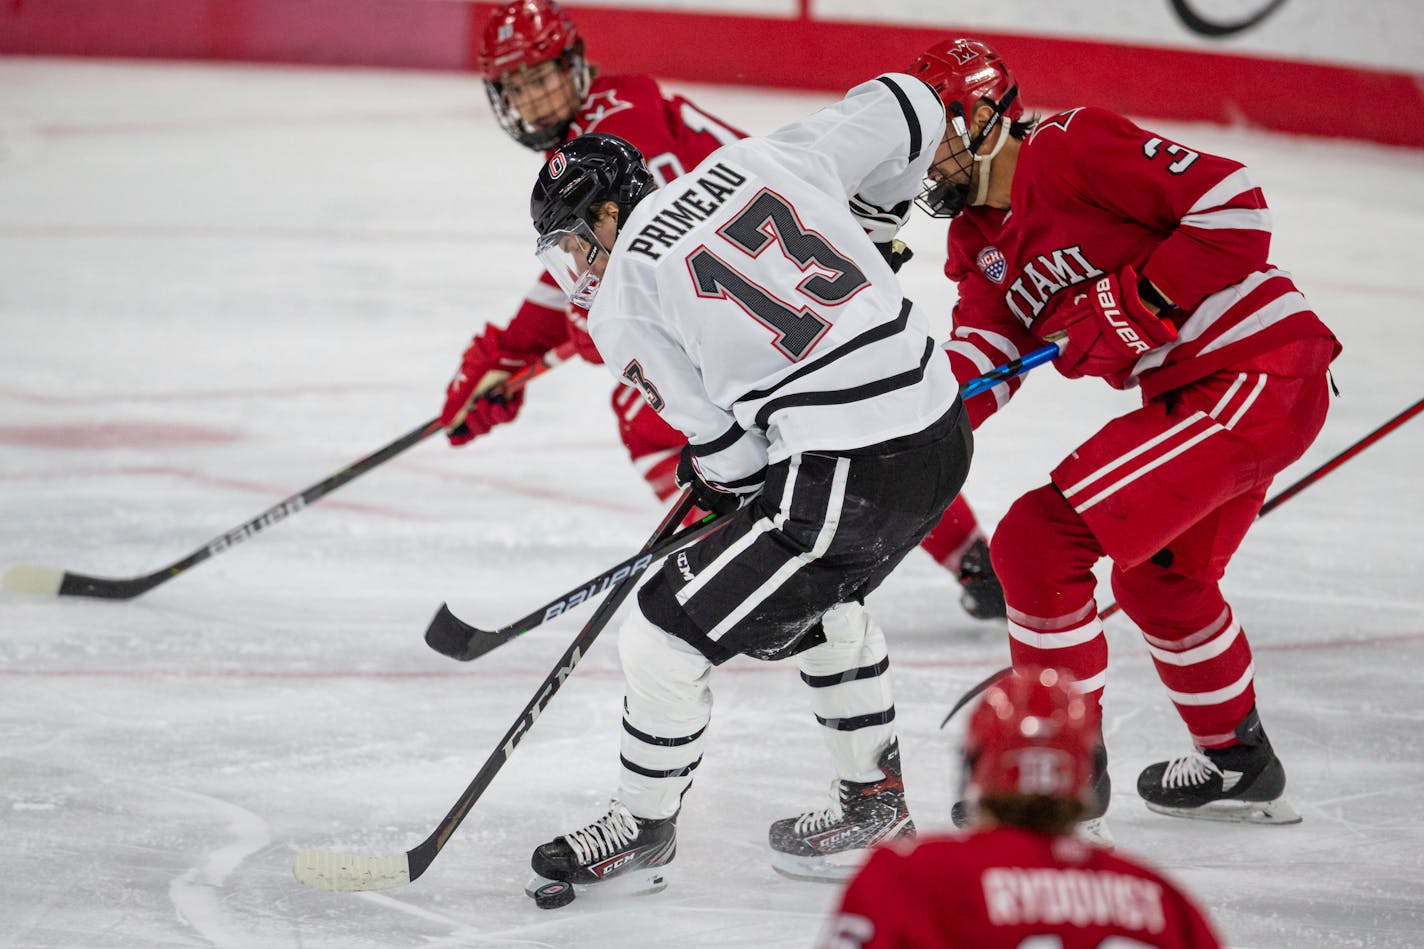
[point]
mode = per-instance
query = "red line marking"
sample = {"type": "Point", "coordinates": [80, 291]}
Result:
{"type": "Point", "coordinates": [227, 123]}
{"type": "Point", "coordinates": [168, 232]}
{"type": "Point", "coordinates": [508, 673]}
{"type": "Point", "coordinates": [199, 477]}
{"type": "Point", "coordinates": [191, 395]}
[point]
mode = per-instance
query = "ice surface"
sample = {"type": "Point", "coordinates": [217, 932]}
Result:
{"type": "Point", "coordinates": [220, 285]}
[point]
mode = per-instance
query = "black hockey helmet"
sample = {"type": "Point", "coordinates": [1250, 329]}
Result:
{"type": "Point", "coordinates": [589, 170]}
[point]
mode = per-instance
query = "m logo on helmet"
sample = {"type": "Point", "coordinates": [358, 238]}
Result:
{"type": "Point", "coordinates": [963, 53]}
{"type": "Point", "coordinates": [1045, 771]}
{"type": "Point", "coordinates": [505, 32]}
{"type": "Point", "coordinates": [557, 164]}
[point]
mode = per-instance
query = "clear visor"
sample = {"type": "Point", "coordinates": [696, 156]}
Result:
{"type": "Point", "coordinates": [575, 258]}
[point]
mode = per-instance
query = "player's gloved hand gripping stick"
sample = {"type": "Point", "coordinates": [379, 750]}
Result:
{"type": "Point", "coordinates": [451, 636]}
{"type": "Point", "coordinates": [48, 581]}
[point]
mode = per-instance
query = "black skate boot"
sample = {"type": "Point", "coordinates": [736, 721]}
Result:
{"type": "Point", "coordinates": [619, 852]}
{"type": "Point", "coordinates": [981, 596]}
{"type": "Point", "coordinates": [1244, 783]}
{"type": "Point", "coordinates": [1093, 825]}
{"type": "Point", "coordinates": [828, 845]}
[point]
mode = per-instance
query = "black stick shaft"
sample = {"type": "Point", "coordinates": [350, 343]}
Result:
{"type": "Point", "coordinates": [425, 852]}
{"type": "Point", "coordinates": [125, 588]}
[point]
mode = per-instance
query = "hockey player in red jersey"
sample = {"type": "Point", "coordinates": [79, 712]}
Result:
{"type": "Point", "coordinates": [1021, 879]}
{"type": "Point", "coordinates": [545, 92]}
{"type": "Point", "coordinates": [1151, 258]}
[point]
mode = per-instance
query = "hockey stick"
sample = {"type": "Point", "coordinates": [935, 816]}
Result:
{"type": "Point", "coordinates": [1266, 508]}
{"type": "Point", "coordinates": [346, 873]}
{"type": "Point", "coordinates": [451, 636]}
{"type": "Point", "coordinates": [48, 581]}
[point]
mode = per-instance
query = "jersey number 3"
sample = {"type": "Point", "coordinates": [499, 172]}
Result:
{"type": "Point", "coordinates": [766, 220]}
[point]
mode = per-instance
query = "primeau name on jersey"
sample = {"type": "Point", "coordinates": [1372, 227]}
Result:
{"type": "Point", "coordinates": [710, 192]}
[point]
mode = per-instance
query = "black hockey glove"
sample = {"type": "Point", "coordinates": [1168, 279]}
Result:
{"type": "Point", "coordinates": [896, 253]}
{"type": "Point", "coordinates": [709, 497]}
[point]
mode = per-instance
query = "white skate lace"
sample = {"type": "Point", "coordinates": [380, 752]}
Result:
{"type": "Point", "coordinates": [812, 821]}
{"type": "Point", "coordinates": [1189, 770]}
{"type": "Point", "coordinates": [600, 839]}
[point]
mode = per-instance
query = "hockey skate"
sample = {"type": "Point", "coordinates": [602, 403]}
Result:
{"type": "Point", "coordinates": [1244, 783]}
{"type": "Point", "coordinates": [619, 853]}
{"type": "Point", "coordinates": [980, 596]}
{"type": "Point", "coordinates": [1092, 826]}
{"type": "Point", "coordinates": [829, 844]}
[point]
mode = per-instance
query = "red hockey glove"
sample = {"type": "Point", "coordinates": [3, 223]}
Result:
{"type": "Point", "coordinates": [1108, 327]}
{"type": "Point", "coordinates": [484, 365]}
{"type": "Point", "coordinates": [578, 335]}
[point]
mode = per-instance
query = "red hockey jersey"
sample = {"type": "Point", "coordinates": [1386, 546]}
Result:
{"type": "Point", "coordinates": [1008, 888]}
{"type": "Point", "coordinates": [1093, 193]}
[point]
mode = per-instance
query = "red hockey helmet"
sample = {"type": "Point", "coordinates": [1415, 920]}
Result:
{"type": "Point", "coordinates": [525, 33]}
{"type": "Point", "coordinates": [963, 71]}
{"type": "Point", "coordinates": [1031, 734]}
{"type": "Point", "coordinates": [521, 36]}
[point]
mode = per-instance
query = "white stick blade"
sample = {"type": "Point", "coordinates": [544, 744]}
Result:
{"type": "Point", "coordinates": [349, 873]}
{"type": "Point", "coordinates": [41, 581]}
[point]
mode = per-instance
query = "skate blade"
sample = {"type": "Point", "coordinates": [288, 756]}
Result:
{"type": "Point", "coordinates": [632, 883]}
{"type": "Point", "coordinates": [1279, 811]}
{"type": "Point", "coordinates": [832, 868]}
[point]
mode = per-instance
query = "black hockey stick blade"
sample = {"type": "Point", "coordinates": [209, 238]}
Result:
{"type": "Point", "coordinates": [49, 581]}
{"type": "Point", "coordinates": [348, 873]}
{"type": "Point", "coordinates": [974, 692]}
{"type": "Point", "coordinates": [451, 636]}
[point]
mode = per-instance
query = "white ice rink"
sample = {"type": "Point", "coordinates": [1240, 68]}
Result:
{"type": "Point", "coordinates": [220, 285]}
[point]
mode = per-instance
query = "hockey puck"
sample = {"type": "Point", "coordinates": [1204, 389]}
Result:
{"type": "Point", "coordinates": [554, 895]}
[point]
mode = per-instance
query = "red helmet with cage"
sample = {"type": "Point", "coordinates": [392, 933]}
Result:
{"type": "Point", "coordinates": [963, 71]}
{"type": "Point", "coordinates": [1032, 735]}
{"type": "Point", "coordinates": [521, 36]}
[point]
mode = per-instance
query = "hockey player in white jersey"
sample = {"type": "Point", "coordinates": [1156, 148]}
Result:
{"type": "Point", "coordinates": [750, 304]}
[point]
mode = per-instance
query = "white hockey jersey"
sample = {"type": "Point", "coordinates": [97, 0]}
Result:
{"type": "Point", "coordinates": [748, 303]}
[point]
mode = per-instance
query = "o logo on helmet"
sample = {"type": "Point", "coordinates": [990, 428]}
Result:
{"type": "Point", "coordinates": [557, 164]}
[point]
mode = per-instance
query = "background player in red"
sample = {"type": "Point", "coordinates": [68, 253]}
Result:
{"type": "Point", "coordinates": [1152, 258]}
{"type": "Point", "coordinates": [544, 93]}
{"type": "Point", "coordinates": [1021, 879]}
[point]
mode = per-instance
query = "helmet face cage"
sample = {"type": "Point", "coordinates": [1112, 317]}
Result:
{"type": "Point", "coordinates": [518, 38]}
{"type": "Point", "coordinates": [579, 177]}
{"type": "Point", "coordinates": [964, 73]}
{"type": "Point", "coordinates": [1030, 735]}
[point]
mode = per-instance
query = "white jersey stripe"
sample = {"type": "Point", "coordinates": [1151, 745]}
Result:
{"type": "Point", "coordinates": [1145, 469]}
{"type": "Point", "coordinates": [1237, 183]}
{"type": "Point", "coordinates": [1198, 654]}
{"type": "Point", "coordinates": [823, 542]}
{"type": "Point", "coordinates": [1076, 636]}
{"type": "Point", "coordinates": [1249, 401]}
{"type": "Point", "coordinates": [547, 295]}
{"type": "Point", "coordinates": [1216, 697]}
{"type": "Point", "coordinates": [762, 525]}
{"type": "Point", "coordinates": [1287, 304]}
{"type": "Point", "coordinates": [1241, 219]}
{"type": "Point", "coordinates": [1142, 449]}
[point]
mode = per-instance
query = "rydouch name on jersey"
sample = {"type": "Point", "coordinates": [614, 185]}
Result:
{"type": "Point", "coordinates": [1023, 897]}
{"type": "Point", "coordinates": [709, 191]}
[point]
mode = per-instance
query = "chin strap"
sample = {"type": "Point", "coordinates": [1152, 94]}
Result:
{"type": "Point", "coordinates": [985, 161]}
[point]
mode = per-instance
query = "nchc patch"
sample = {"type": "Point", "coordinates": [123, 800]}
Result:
{"type": "Point", "coordinates": [992, 264]}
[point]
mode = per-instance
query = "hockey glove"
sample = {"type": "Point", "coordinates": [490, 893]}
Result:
{"type": "Point", "coordinates": [896, 253]}
{"type": "Point", "coordinates": [578, 335]}
{"type": "Point", "coordinates": [708, 496]}
{"type": "Point", "coordinates": [485, 365]}
{"type": "Point", "coordinates": [1108, 328]}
